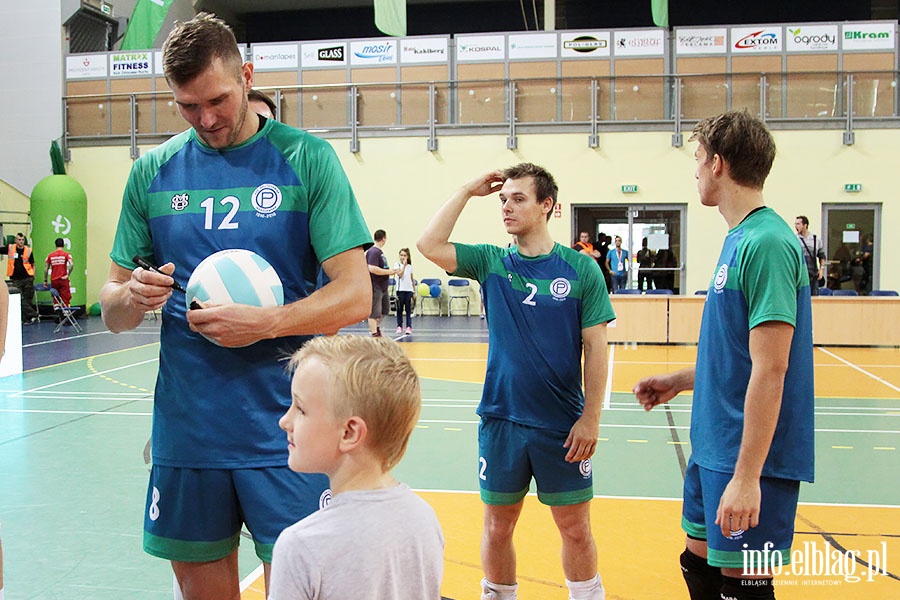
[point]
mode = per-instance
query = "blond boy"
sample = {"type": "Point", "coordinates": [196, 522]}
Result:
{"type": "Point", "coordinates": [355, 402]}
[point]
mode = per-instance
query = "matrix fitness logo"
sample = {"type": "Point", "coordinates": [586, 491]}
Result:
{"type": "Point", "coordinates": [817, 564]}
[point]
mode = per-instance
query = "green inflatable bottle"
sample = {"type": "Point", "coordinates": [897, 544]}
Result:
{"type": "Point", "coordinates": [59, 210]}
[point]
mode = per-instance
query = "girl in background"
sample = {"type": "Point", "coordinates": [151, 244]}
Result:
{"type": "Point", "coordinates": [406, 286]}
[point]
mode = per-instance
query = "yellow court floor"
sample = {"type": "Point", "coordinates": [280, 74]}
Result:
{"type": "Point", "coordinates": [847, 535]}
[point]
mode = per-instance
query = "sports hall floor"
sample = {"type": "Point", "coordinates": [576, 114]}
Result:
{"type": "Point", "coordinates": [73, 470]}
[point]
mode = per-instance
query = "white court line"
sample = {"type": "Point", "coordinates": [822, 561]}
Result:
{"type": "Point", "coordinates": [863, 371]}
{"type": "Point", "coordinates": [607, 397]}
{"type": "Point", "coordinates": [64, 382]}
{"type": "Point", "coordinates": [74, 412]}
{"type": "Point", "coordinates": [252, 577]}
{"type": "Point", "coordinates": [84, 335]}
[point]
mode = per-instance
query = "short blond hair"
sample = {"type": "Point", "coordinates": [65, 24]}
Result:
{"type": "Point", "coordinates": [372, 379]}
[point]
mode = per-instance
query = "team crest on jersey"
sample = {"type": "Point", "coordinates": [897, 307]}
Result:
{"type": "Point", "coordinates": [180, 201]}
{"type": "Point", "coordinates": [585, 468]}
{"type": "Point", "coordinates": [325, 499]}
{"type": "Point", "coordinates": [266, 200]}
{"type": "Point", "coordinates": [560, 288]}
{"type": "Point", "coordinates": [721, 279]}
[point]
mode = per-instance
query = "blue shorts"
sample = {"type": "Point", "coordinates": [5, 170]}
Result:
{"type": "Point", "coordinates": [510, 454]}
{"type": "Point", "coordinates": [195, 515]}
{"type": "Point", "coordinates": [703, 490]}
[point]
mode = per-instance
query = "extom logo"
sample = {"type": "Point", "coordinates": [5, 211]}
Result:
{"type": "Point", "coordinates": [757, 39]}
{"type": "Point", "coordinates": [335, 53]}
{"type": "Point", "coordinates": [584, 43]}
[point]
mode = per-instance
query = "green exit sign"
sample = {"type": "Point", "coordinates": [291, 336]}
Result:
{"type": "Point", "coordinates": [853, 187]}
{"type": "Point", "coordinates": [629, 189]}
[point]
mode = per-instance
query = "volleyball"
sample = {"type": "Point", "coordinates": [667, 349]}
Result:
{"type": "Point", "coordinates": [235, 277]}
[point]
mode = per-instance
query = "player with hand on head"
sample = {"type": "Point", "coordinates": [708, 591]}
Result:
{"type": "Point", "coordinates": [233, 180]}
{"type": "Point", "coordinates": [752, 415]}
{"type": "Point", "coordinates": [547, 307]}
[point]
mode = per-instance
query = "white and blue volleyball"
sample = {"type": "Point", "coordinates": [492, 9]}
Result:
{"type": "Point", "coordinates": [235, 277]}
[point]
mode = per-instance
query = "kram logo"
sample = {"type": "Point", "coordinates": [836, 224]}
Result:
{"type": "Point", "coordinates": [757, 39]}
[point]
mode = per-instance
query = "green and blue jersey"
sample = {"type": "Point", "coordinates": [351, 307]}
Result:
{"type": "Point", "coordinates": [282, 194]}
{"type": "Point", "coordinates": [536, 310]}
{"type": "Point", "coordinates": [761, 277]}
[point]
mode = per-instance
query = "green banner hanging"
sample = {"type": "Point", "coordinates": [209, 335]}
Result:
{"type": "Point", "coordinates": [146, 21]}
{"type": "Point", "coordinates": [660, 9]}
{"type": "Point", "coordinates": [390, 17]}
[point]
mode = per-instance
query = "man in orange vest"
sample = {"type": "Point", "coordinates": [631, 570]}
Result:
{"type": "Point", "coordinates": [20, 272]}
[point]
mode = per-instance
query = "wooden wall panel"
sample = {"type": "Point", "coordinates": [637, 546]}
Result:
{"type": "Point", "coordinates": [120, 108]}
{"type": "Point", "coordinates": [813, 86]}
{"type": "Point", "coordinates": [414, 98]}
{"type": "Point", "coordinates": [377, 105]}
{"type": "Point", "coordinates": [89, 116]}
{"type": "Point", "coordinates": [703, 95]}
{"type": "Point", "coordinates": [639, 98]}
{"type": "Point", "coordinates": [290, 99]}
{"type": "Point", "coordinates": [536, 101]}
{"type": "Point", "coordinates": [745, 88]}
{"type": "Point", "coordinates": [477, 101]}
{"type": "Point", "coordinates": [873, 93]}
{"type": "Point", "coordinates": [576, 95]}
{"type": "Point", "coordinates": [324, 107]}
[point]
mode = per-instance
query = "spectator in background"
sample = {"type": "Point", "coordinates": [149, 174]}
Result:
{"type": "Point", "coordinates": [261, 104]}
{"type": "Point", "coordinates": [20, 271]}
{"type": "Point", "coordinates": [813, 253]}
{"type": "Point", "coordinates": [645, 258]}
{"type": "Point", "coordinates": [602, 246]}
{"type": "Point", "coordinates": [59, 267]}
{"type": "Point", "coordinates": [380, 275]}
{"type": "Point", "coordinates": [617, 263]}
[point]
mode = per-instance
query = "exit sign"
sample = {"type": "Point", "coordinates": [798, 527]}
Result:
{"type": "Point", "coordinates": [853, 187]}
{"type": "Point", "coordinates": [629, 189]}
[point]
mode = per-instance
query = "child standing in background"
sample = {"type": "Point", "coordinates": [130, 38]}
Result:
{"type": "Point", "coordinates": [406, 286]}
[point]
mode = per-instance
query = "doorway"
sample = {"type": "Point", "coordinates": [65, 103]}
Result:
{"type": "Point", "coordinates": [853, 239]}
{"type": "Point", "coordinates": [661, 265]}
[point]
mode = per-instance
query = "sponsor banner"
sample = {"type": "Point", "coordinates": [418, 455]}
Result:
{"type": "Point", "coordinates": [811, 38]}
{"type": "Point", "coordinates": [756, 39]}
{"type": "Point", "coordinates": [280, 57]}
{"type": "Point", "coordinates": [130, 63]}
{"type": "Point", "coordinates": [373, 52]}
{"type": "Point", "coordinates": [428, 50]}
{"type": "Point", "coordinates": [327, 54]}
{"type": "Point", "coordinates": [86, 66]}
{"type": "Point", "coordinates": [157, 62]}
{"type": "Point", "coordinates": [533, 45]}
{"type": "Point", "coordinates": [480, 47]}
{"type": "Point", "coordinates": [591, 44]}
{"type": "Point", "coordinates": [701, 41]}
{"type": "Point", "coordinates": [868, 36]}
{"type": "Point", "coordinates": [647, 42]}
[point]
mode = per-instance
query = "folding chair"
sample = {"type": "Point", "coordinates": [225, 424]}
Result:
{"type": "Point", "coordinates": [459, 290]}
{"type": "Point", "coordinates": [66, 313]}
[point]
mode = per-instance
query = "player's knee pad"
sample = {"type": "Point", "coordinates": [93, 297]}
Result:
{"type": "Point", "coordinates": [747, 589]}
{"type": "Point", "coordinates": [704, 582]}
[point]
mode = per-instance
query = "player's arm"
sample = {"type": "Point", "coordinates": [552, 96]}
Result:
{"type": "Point", "coordinates": [376, 270]}
{"type": "Point", "coordinates": [47, 270]}
{"type": "Point", "coordinates": [347, 299]}
{"type": "Point", "coordinates": [659, 389]}
{"type": "Point", "coordinates": [770, 345]}
{"type": "Point", "coordinates": [582, 440]}
{"type": "Point", "coordinates": [434, 243]}
{"type": "Point", "coordinates": [128, 294]}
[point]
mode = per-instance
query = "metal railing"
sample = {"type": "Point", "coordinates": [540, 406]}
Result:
{"type": "Point", "coordinates": [830, 100]}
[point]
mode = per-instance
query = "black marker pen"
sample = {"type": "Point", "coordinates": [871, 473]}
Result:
{"type": "Point", "coordinates": [142, 263]}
